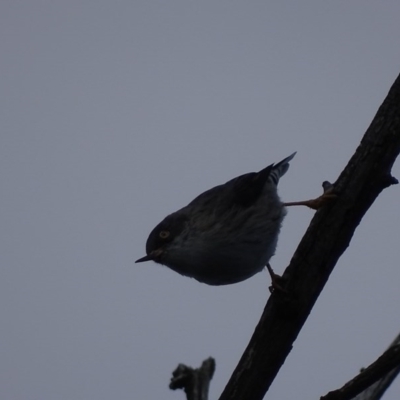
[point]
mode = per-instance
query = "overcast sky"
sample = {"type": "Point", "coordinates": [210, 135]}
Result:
{"type": "Point", "coordinates": [113, 114]}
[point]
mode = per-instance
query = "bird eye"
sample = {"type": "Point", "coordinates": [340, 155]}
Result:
{"type": "Point", "coordinates": [164, 234]}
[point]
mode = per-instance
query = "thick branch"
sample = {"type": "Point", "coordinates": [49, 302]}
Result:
{"type": "Point", "coordinates": [389, 360]}
{"type": "Point", "coordinates": [195, 382]}
{"type": "Point", "coordinates": [329, 234]}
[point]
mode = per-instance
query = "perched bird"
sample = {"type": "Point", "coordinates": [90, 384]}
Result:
{"type": "Point", "coordinates": [226, 234]}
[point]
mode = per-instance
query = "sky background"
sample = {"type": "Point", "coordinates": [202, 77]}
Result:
{"type": "Point", "coordinates": [115, 114]}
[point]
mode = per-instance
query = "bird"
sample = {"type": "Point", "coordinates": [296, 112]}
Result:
{"type": "Point", "coordinates": [228, 233]}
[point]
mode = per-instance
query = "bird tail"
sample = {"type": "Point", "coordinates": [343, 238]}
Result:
{"type": "Point", "coordinates": [280, 169]}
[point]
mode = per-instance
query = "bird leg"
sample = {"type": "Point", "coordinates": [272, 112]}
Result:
{"type": "Point", "coordinates": [276, 281]}
{"type": "Point", "coordinates": [320, 201]}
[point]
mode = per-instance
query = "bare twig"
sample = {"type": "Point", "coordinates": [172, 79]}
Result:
{"type": "Point", "coordinates": [388, 361]}
{"type": "Point", "coordinates": [376, 390]}
{"type": "Point", "coordinates": [195, 382]}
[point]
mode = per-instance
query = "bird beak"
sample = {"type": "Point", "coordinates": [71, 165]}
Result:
{"type": "Point", "coordinates": [145, 258]}
{"type": "Point", "coordinates": [152, 256]}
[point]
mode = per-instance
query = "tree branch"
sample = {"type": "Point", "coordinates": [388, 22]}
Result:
{"type": "Point", "coordinates": [195, 382]}
{"type": "Point", "coordinates": [377, 389]}
{"type": "Point", "coordinates": [328, 236]}
{"type": "Point", "coordinates": [389, 360]}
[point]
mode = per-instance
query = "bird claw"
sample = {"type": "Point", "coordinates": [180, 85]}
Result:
{"type": "Point", "coordinates": [320, 201]}
{"type": "Point", "coordinates": [276, 281]}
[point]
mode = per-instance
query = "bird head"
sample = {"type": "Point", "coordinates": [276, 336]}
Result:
{"type": "Point", "coordinates": [163, 237]}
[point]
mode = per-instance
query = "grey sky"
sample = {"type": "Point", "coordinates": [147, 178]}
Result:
{"type": "Point", "coordinates": [114, 114]}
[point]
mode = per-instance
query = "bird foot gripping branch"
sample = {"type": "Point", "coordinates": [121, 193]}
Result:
{"type": "Point", "coordinates": [277, 282]}
{"type": "Point", "coordinates": [320, 201]}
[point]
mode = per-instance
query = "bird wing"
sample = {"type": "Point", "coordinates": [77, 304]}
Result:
{"type": "Point", "coordinates": [245, 189]}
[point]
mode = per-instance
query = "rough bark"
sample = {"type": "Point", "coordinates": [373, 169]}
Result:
{"type": "Point", "coordinates": [365, 176]}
